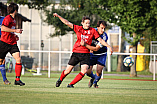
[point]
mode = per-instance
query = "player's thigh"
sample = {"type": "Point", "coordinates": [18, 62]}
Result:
{"type": "Point", "coordinates": [93, 60]}
{"type": "Point", "coordinates": [84, 68]}
{"type": "Point", "coordinates": [84, 59]}
{"type": "Point", "coordinates": [102, 60]}
{"type": "Point", "coordinates": [74, 60]}
{"type": "Point", "coordinates": [17, 57]}
{"type": "Point", "coordinates": [15, 52]}
{"type": "Point", "coordinates": [4, 49]}
{"type": "Point", "coordinates": [68, 69]}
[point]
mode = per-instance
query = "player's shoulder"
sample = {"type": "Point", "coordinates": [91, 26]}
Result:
{"type": "Point", "coordinates": [92, 29]}
{"type": "Point", "coordinates": [77, 27]}
{"type": "Point", "coordinates": [8, 17]}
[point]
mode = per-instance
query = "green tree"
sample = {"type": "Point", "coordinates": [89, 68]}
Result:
{"type": "Point", "coordinates": [78, 9]}
{"type": "Point", "coordinates": [133, 16]}
{"type": "Point", "coordinates": [36, 4]}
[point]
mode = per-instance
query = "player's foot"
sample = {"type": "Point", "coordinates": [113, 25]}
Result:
{"type": "Point", "coordinates": [95, 85]}
{"type": "Point", "coordinates": [58, 82]}
{"type": "Point", "coordinates": [70, 86]}
{"type": "Point", "coordinates": [6, 82]}
{"type": "Point", "coordinates": [19, 83]}
{"type": "Point", "coordinates": [91, 82]}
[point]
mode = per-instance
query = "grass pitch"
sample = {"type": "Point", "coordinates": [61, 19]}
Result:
{"type": "Point", "coordinates": [42, 90]}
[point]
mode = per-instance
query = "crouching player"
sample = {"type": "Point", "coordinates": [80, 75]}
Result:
{"type": "Point", "coordinates": [98, 55]}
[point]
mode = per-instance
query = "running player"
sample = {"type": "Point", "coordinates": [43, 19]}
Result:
{"type": "Point", "coordinates": [98, 56]}
{"type": "Point", "coordinates": [80, 53]}
{"type": "Point", "coordinates": [8, 41]}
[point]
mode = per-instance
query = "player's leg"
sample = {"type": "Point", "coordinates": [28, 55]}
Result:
{"type": "Point", "coordinates": [90, 74]}
{"type": "Point", "coordinates": [100, 65]}
{"type": "Point", "coordinates": [2, 68]}
{"type": "Point", "coordinates": [3, 72]}
{"type": "Point", "coordinates": [64, 74]}
{"type": "Point", "coordinates": [79, 76]}
{"type": "Point", "coordinates": [93, 61]}
{"type": "Point", "coordinates": [72, 62]}
{"type": "Point", "coordinates": [18, 68]}
{"type": "Point", "coordinates": [83, 58]}
{"type": "Point", "coordinates": [98, 75]}
{"type": "Point", "coordinates": [3, 51]}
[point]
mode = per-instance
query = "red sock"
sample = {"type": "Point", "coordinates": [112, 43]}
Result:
{"type": "Point", "coordinates": [77, 78]}
{"type": "Point", "coordinates": [18, 68]}
{"type": "Point", "coordinates": [62, 75]}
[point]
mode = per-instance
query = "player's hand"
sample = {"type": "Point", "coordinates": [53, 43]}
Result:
{"type": "Point", "coordinates": [82, 42]}
{"type": "Point", "coordinates": [18, 31]}
{"type": "Point", "coordinates": [55, 15]}
{"type": "Point", "coordinates": [17, 38]}
{"type": "Point", "coordinates": [111, 50]}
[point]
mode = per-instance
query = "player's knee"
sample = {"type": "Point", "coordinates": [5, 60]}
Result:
{"type": "Point", "coordinates": [99, 73]}
{"type": "Point", "coordinates": [1, 62]}
{"type": "Point", "coordinates": [18, 59]}
{"type": "Point", "coordinates": [84, 71]}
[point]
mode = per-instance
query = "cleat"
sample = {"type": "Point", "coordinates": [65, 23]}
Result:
{"type": "Point", "coordinates": [58, 82]}
{"type": "Point", "coordinates": [70, 86]}
{"type": "Point", "coordinates": [19, 83]}
{"type": "Point", "coordinates": [6, 82]}
{"type": "Point", "coordinates": [90, 82]}
{"type": "Point", "coordinates": [95, 85]}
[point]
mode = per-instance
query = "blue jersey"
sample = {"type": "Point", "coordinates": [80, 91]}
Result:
{"type": "Point", "coordinates": [95, 42]}
{"type": "Point", "coordinates": [1, 19]}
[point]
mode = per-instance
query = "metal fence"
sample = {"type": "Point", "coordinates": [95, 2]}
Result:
{"type": "Point", "coordinates": [57, 60]}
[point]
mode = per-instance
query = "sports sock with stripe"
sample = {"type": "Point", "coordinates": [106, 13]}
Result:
{"type": "Point", "coordinates": [97, 78]}
{"type": "Point", "coordinates": [91, 75]}
{"type": "Point", "coordinates": [18, 68]}
{"type": "Point", "coordinates": [3, 71]}
{"type": "Point", "coordinates": [77, 78]}
{"type": "Point", "coordinates": [62, 75]}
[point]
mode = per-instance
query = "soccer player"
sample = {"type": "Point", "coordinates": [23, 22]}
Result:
{"type": "Point", "coordinates": [80, 53]}
{"type": "Point", "coordinates": [98, 56]}
{"type": "Point", "coordinates": [8, 41]}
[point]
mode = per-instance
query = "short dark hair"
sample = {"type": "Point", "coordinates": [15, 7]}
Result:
{"type": "Point", "coordinates": [85, 18]}
{"type": "Point", "coordinates": [12, 7]}
{"type": "Point", "coordinates": [101, 22]}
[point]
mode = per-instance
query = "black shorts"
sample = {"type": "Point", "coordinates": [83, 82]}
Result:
{"type": "Point", "coordinates": [75, 58]}
{"type": "Point", "coordinates": [5, 48]}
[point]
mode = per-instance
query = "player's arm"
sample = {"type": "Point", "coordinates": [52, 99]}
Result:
{"type": "Point", "coordinates": [89, 46]}
{"type": "Point", "coordinates": [105, 44]}
{"type": "Point", "coordinates": [63, 20]}
{"type": "Point", "coordinates": [6, 29]}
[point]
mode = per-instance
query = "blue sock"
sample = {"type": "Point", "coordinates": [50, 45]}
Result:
{"type": "Point", "coordinates": [91, 75]}
{"type": "Point", "coordinates": [97, 78]}
{"type": "Point", "coordinates": [3, 71]}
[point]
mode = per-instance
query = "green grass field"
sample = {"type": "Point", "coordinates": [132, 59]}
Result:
{"type": "Point", "coordinates": [42, 90]}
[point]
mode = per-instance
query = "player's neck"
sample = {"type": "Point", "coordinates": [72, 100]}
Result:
{"type": "Point", "coordinates": [12, 15]}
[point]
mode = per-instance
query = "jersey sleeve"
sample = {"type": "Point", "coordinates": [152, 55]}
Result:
{"type": "Point", "coordinates": [6, 22]}
{"type": "Point", "coordinates": [75, 27]}
{"type": "Point", "coordinates": [100, 45]}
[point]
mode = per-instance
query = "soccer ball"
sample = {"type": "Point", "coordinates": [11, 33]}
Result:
{"type": "Point", "coordinates": [128, 61]}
